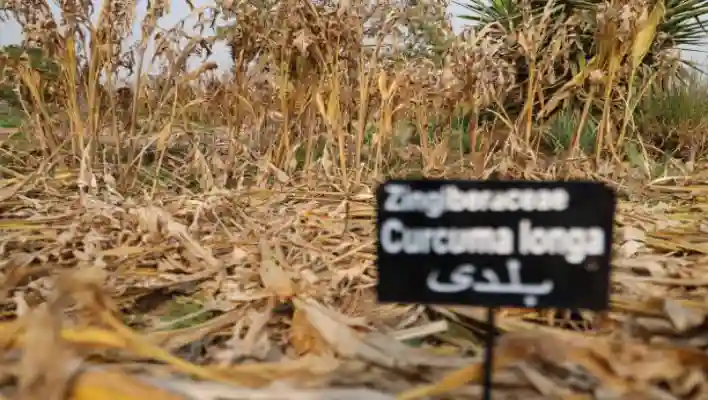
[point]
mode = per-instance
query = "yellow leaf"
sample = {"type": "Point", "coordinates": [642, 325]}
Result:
{"type": "Point", "coordinates": [333, 104]}
{"type": "Point", "coordinates": [90, 337]}
{"type": "Point", "coordinates": [321, 106]}
{"type": "Point", "coordinates": [304, 337]}
{"type": "Point", "coordinates": [645, 36]}
{"type": "Point", "coordinates": [452, 381]}
{"type": "Point", "coordinates": [383, 85]}
{"type": "Point", "coordinates": [113, 385]}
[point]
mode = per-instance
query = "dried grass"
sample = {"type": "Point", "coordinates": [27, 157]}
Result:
{"type": "Point", "coordinates": [197, 236]}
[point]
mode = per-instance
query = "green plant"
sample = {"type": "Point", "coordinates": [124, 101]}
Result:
{"type": "Point", "coordinates": [10, 116]}
{"type": "Point", "coordinates": [675, 118]}
{"type": "Point", "coordinates": [676, 105]}
{"type": "Point", "coordinates": [563, 126]}
{"type": "Point", "coordinates": [13, 57]}
{"type": "Point", "coordinates": [184, 312]}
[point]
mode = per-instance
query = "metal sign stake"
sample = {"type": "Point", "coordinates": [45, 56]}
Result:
{"type": "Point", "coordinates": [490, 341]}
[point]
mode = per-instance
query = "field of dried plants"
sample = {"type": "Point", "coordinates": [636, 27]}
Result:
{"type": "Point", "coordinates": [198, 235]}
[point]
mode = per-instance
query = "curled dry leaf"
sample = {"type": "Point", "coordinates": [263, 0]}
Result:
{"type": "Point", "coordinates": [373, 347]}
{"type": "Point", "coordinates": [683, 317]}
{"type": "Point", "coordinates": [273, 276]}
{"type": "Point", "coordinates": [342, 338]}
{"type": "Point", "coordinates": [304, 338]}
{"type": "Point", "coordinates": [155, 220]}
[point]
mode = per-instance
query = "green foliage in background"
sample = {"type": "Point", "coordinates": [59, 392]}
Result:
{"type": "Point", "coordinates": [184, 312]}
{"type": "Point", "coordinates": [11, 58]}
{"type": "Point", "coordinates": [562, 128]}
{"type": "Point", "coordinates": [676, 105]}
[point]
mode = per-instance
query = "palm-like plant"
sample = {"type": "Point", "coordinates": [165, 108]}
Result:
{"type": "Point", "coordinates": [612, 51]}
{"type": "Point", "coordinates": [679, 26]}
{"type": "Point", "coordinates": [683, 22]}
{"type": "Point", "coordinates": [684, 25]}
{"type": "Point", "coordinates": [506, 12]}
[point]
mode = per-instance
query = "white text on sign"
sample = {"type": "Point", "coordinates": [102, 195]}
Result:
{"type": "Point", "coordinates": [575, 243]}
{"type": "Point", "coordinates": [462, 278]}
{"type": "Point", "coordinates": [450, 198]}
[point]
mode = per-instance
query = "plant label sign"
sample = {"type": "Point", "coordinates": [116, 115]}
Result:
{"type": "Point", "coordinates": [495, 243]}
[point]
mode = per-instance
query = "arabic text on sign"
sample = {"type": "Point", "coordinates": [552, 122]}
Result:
{"type": "Point", "coordinates": [462, 278]}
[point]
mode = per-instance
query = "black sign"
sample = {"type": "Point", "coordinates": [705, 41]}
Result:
{"type": "Point", "coordinates": [495, 243]}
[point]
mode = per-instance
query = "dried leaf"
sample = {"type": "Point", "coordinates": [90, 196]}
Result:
{"type": "Point", "coordinates": [273, 276]}
{"type": "Point", "coordinates": [304, 337]}
{"type": "Point", "coordinates": [682, 317]}
{"type": "Point", "coordinates": [47, 364]}
{"type": "Point", "coordinates": [106, 384]}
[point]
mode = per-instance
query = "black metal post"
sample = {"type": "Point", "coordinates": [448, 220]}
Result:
{"type": "Point", "coordinates": [489, 354]}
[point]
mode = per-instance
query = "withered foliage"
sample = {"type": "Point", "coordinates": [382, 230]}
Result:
{"type": "Point", "coordinates": [286, 53]}
{"type": "Point", "coordinates": [165, 217]}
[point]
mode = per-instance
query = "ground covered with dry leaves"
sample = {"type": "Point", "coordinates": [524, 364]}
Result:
{"type": "Point", "coordinates": [200, 235]}
{"type": "Point", "coordinates": [265, 291]}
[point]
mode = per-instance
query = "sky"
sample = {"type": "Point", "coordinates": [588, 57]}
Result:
{"type": "Point", "coordinates": [10, 32]}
